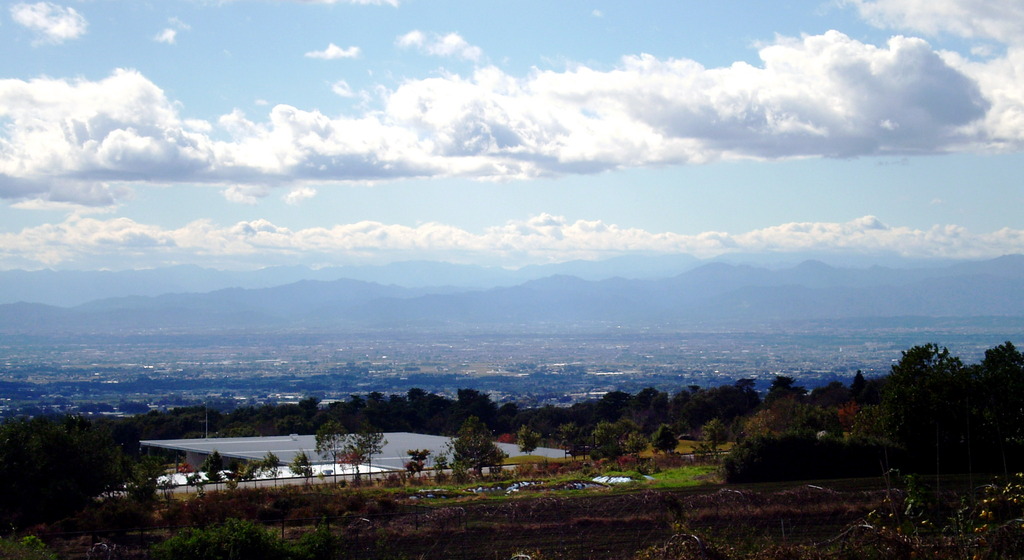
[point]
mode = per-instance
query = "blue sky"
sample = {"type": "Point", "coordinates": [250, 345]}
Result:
{"type": "Point", "coordinates": [249, 133]}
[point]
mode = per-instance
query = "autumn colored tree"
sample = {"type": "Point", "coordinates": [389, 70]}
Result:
{"type": "Point", "coordinates": [417, 460]}
{"type": "Point", "coordinates": [847, 414]}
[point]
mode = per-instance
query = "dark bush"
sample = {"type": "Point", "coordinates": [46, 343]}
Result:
{"type": "Point", "coordinates": [109, 514]}
{"type": "Point", "coordinates": [234, 540]}
{"type": "Point", "coordinates": [319, 544]}
{"type": "Point", "coordinates": [806, 457]}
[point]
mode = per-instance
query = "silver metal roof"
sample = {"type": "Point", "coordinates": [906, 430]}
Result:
{"type": "Point", "coordinates": [287, 447]}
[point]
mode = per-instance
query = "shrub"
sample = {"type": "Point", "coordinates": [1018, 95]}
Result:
{"type": "Point", "coordinates": [28, 548]}
{"type": "Point", "coordinates": [319, 544]}
{"type": "Point", "coordinates": [798, 457]}
{"type": "Point", "coordinates": [234, 540]}
{"type": "Point", "coordinates": [112, 513]}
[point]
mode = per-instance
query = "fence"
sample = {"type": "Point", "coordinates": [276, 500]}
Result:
{"type": "Point", "coordinates": [568, 527]}
{"type": "Point", "coordinates": [574, 527]}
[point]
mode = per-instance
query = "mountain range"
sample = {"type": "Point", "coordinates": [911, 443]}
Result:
{"type": "Point", "coordinates": [710, 295]}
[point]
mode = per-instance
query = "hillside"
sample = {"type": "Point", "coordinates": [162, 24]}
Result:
{"type": "Point", "coordinates": [713, 295]}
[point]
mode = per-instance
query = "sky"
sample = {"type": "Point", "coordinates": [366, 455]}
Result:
{"type": "Point", "coordinates": [240, 134]}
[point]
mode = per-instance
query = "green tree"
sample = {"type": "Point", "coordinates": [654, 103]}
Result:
{"type": "Point", "coordinates": [248, 470]}
{"type": "Point", "coordinates": [1001, 391]}
{"type": "Point", "coordinates": [607, 442]}
{"type": "Point", "coordinates": [470, 402]}
{"type": "Point", "coordinates": [635, 444]}
{"type": "Point", "coordinates": [332, 441]}
{"type": "Point", "coordinates": [212, 466]}
{"type": "Point", "coordinates": [725, 403]}
{"type": "Point", "coordinates": [141, 485]}
{"type": "Point", "coordinates": [785, 415]}
{"type": "Point", "coordinates": [833, 395]}
{"type": "Point", "coordinates": [527, 439]}
{"type": "Point", "coordinates": [301, 466]}
{"type": "Point", "coordinates": [713, 435]}
{"type": "Point", "coordinates": [610, 438]}
{"type": "Point", "coordinates": [473, 446]}
{"type": "Point", "coordinates": [572, 438]}
{"type": "Point", "coordinates": [51, 468]}
{"type": "Point", "coordinates": [612, 405]}
{"type": "Point", "coordinates": [363, 445]}
{"type": "Point", "coordinates": [664, 439]}
{"type": "Point", "coordinates": [271, 465]}
{"type": "Point", "coordinates": [784, 387]}
{"type": "Point", "coordinates": [858, 386]}
{"type": "Point", "coordinates": [924, 405]}
{"type": "Point", "coordinates": [649, 408]}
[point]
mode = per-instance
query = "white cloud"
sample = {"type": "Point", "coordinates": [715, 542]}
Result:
{"type": "Point", "coordinates": [1002, 20]}
{"type": "Point", "coordinates": [825, 95]}
{"type": "Point", "coordinates": [52, 23]}
{"type": "Point", "coordinates": [342, 89]}
{"type": "Point", "coordinates": [358, 2]}
{"type": "Point", "coordinates": [245, 194]}
{"type": "Point", "coordinates": [297, 195]}
{"type": "Point", "coordinates": [1002, 82]}
{"type": "Point", "coordinates": [540, 239]}
{"type": "Point", "coordinates": [334, 52]}
{"type": "Point", "coordinates": [450, 45]}
{"type": "Point", "coordinates": [167, 36]}
{"type": "Point", "coordinates": [84, 142]}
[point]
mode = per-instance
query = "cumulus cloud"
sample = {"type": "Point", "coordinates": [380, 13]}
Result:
{"type": "Point", "coordinates": [167, 36]}
{"type": "Point", "coordinates": [450, 45]}
{"type": "Point", "coordinates": [1001, 79]}
{"type": "Point", "coordinates": [299, 194]}
{"type": "Point", "coordinates": [342, 89]}
{"type": "Point", "coordinates": [541, 239]}
{"type": "Point", "coordinates": [85, 141]}
{"type": "Point", "coordinates": [334, 52]}
{"type": "Point", "coordinates": [1001, 20]}
{"type": "Point", "coordinates": [816, 96]}
{"type": "Point", "coordinates": [52, 23]}
{"type": "Point", "coordinates": [245, 194]}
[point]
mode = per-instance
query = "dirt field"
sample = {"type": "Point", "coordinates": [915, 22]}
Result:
{"type": "Point", "coordinates": [594, 524]}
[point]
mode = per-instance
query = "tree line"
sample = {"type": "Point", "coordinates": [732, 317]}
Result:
{"type": "Point", "coordinates": [932, 412]}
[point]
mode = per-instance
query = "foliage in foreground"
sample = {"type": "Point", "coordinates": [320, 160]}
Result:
{"type": "Point", "coordinates": [244, 540]}
{"type": "Point", "coordinates": [914, 522]}
{"type": "Point", "coordinates": [28, 548]}
{"type": "Point", "coordinates": [52, 468]}
{"type": "Point", "coordinates": [805, 457]}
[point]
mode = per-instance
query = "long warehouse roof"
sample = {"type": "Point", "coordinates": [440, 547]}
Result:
{"type": "Point", "coordinates": [287, 447]}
